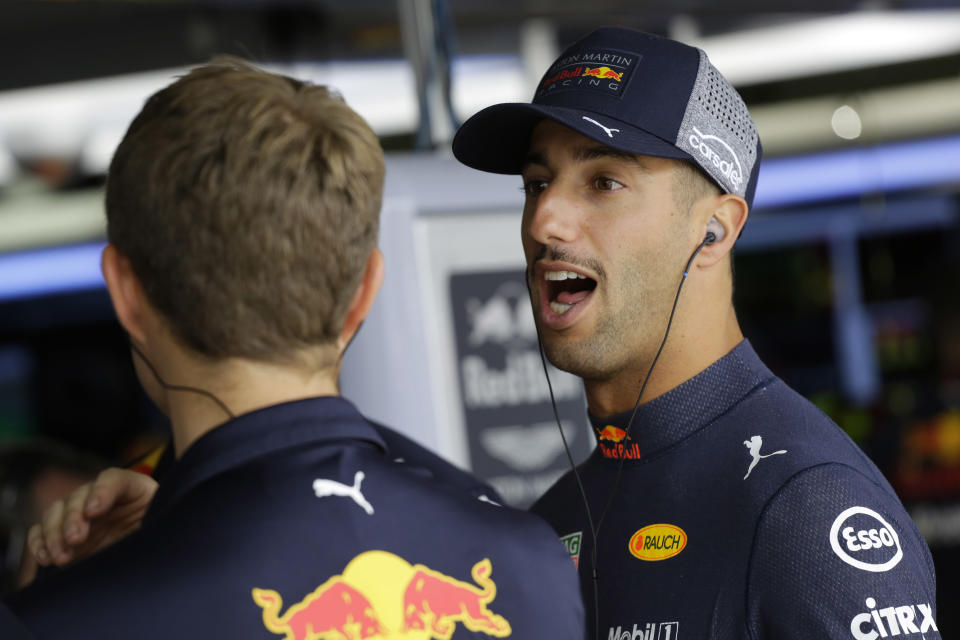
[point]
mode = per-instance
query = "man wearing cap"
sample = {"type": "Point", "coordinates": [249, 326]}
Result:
{"type": "Point", "coordinates": [718, 503]}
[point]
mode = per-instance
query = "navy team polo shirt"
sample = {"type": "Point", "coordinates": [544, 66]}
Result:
{"type": "Point", "coordinates": [297, 522]}
{"type": "Point", "coordinates": [10, 627]}
{"type": "Point", "coordinates": [742, 512]}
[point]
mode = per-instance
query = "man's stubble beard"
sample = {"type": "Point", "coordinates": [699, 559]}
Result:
{"type": "Point", "coordinates": [625, 337]}
{"type": "Point", "coordinates": [629, 329]}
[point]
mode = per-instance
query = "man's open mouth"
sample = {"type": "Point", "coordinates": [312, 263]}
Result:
{"type": "Point", "coordinates": [566, 288]}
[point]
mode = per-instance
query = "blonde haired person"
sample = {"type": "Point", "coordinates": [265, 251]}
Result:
{"type": "Point", "coordinates": [242, 212]}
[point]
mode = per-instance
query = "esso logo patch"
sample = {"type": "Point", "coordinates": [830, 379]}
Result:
{"type": "Point", "coordinates": [863, 539]}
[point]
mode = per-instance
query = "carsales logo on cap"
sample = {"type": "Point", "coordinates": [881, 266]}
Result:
{"type": "Point", "coordinates": [724, 160]}
{"type": "Point", "coordinates": [863, 539]}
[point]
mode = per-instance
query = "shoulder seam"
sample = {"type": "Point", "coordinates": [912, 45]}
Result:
{"type": "Point", "coordinates": [763, 512]}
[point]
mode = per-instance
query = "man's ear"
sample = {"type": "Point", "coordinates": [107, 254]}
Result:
{"type": "Point", "coordinates": [730, 211]}
{"type": "Point", "coordinates": [363, 298]}
{"type": "Point", "coordinates": [126, 293]}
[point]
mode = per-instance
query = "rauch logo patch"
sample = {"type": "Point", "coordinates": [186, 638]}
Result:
{"type": "Point", "coordinates": [657, 542]}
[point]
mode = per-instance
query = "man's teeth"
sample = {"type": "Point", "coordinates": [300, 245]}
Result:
{"type": "Point", "coordinates": [559, 308]}
{"type": "Point", "coordinates": [562, 275]}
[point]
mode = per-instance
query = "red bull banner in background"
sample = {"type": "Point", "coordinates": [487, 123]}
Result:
{"type": "Point", "coordinates": [381, 596]}
{"type": "Point", "coordinates": [513, 439]}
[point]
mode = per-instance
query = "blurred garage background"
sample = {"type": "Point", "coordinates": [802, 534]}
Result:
{"type": "Point", "coordinates": [847, 273]}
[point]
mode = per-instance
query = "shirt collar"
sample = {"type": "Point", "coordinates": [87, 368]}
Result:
{"type": "Point", "coordinates": [683, 410]}
{"type": "Point", "coordinates": [260, 433]}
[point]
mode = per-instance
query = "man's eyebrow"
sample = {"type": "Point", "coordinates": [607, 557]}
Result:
{"type": "Point", "coordinates": [584, 154]}
{"type": "Point", "coordinates": [534, 157]}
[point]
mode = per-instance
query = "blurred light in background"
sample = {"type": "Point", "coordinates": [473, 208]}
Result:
{"type": "Point", "coordinates": [60, 270]}
{"type": "Point", "coordinates": [7, 165]}
{"type": "Point", "coordinates": [86, 120]}
{"type": "Point", "coordinates": [842, 174]}
{"type": "Point", "coordinates": [837, 43]}
{"type": "Point", "coordinates": [846, 123]}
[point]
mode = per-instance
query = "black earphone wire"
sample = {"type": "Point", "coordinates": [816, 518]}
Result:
{"type": "Point", "coordinates": [573, 467]}
{"type": "Point", "coordinates": [643, 387]}
{"type": "Point", "coordinates": [595, 530]}
{"type": "Point", "coordinates": [179, 387]}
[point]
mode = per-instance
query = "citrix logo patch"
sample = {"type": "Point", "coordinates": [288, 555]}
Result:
{"type": "Point", "coordinates": [649, 631]}
{"type": "Point", "coordinates": [863, 539]}
{"type": "Point", "coordinates": [892, 621]}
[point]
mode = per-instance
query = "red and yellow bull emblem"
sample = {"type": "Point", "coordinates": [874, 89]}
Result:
{"type": "Point", "coordinates": [383, 597]}
{"type": "Point", "coordinates": [657, 542]}
{"type": "Point", "coordinates": [603, 72]}
{"type": "Point", "coordinates": [614, 444]}
{"type": "Point", "coordinates": [612, 434]}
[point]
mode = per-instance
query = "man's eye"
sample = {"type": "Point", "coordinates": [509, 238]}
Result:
{"type": "Point", "coordinates": [534, 187]}
{"type": "Point", "coordinates": [607, 184]}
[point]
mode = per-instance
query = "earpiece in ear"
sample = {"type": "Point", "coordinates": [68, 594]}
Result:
{"type": "Point", "coordinates": [715, 231]}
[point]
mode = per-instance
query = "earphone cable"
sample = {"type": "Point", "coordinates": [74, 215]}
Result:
{"type": "Point", "coordinates": [179, 387]}
{"type": "Point", "coordinates": [595, 530]}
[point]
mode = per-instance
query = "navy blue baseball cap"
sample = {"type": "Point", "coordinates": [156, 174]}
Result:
{"type": "Point", "coordinates": [632, 91]}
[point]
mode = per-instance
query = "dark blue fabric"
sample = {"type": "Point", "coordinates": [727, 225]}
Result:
{"type": "Point", "coordinates": [10, 627]}
{"type": "Point", "coordinates": [400, 447]}
{"type": "Point", "coordinates": [239, 538]}
{"type": "Point", "coordinates": [769, 550]}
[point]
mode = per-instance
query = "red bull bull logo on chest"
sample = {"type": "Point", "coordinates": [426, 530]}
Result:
{"type": "Point", "coordinates": [614, 443]}
{"type": "Point", "coordinates": [381, 596]}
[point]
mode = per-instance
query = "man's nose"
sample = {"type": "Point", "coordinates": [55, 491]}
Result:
{"type": "Point", "coordinates": [554, 217]}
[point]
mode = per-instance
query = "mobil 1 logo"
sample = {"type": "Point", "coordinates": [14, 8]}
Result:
{"type": "Point", "coordinates": [648, 631]}
{"type": "Point", "coordinates": [863, 539]}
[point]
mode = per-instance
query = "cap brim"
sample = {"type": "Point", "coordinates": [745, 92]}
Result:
{"type": "Point", "coordinates": [497, 138]}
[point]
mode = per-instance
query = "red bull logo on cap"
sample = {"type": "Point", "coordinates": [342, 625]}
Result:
{"type": "Point", "coordinates": [606, 71]}
{"type": "Point", "coordinates": [603, 72]}
{"type": "Point", "coordinates": [381, 596]}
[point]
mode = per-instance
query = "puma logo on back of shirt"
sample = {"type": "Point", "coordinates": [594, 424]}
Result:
{"type": "Point", "coordinates": [324, 488]}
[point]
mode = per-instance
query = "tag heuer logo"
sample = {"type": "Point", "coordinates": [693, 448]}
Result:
{"type": "Point", "coordinates": [572, 543]}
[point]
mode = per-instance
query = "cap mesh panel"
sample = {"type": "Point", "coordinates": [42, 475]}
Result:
{"type": "Point", "coordinates": [717, 130]}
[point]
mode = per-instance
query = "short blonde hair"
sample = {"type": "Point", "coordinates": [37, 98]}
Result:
{"type": "Point", "coordinates": [248, 204]}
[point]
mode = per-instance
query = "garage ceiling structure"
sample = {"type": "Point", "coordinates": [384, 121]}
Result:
{"type": "Point", "coordinates": [816, 74]}
{"type": "Point", "coordinates": [63, 40]}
